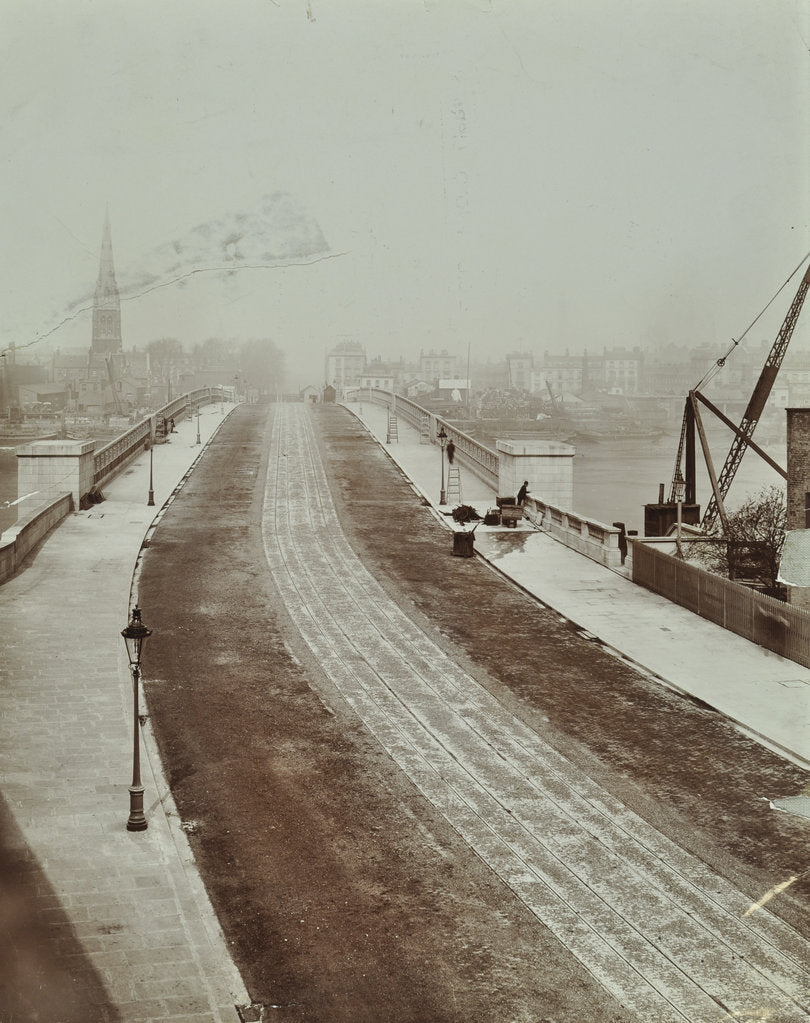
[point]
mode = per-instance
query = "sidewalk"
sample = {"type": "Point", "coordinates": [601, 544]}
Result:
{"type": "Point", "coordinates": [766, 695]}
{"type": "Point", "coordinates": [134, 900]}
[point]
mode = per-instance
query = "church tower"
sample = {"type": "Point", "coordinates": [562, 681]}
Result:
{"type": "Point", "coordinates": [106, 304]}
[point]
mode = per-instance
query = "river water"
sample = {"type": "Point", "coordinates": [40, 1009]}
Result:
{"type": "Point", "coordinates": [613, 480]}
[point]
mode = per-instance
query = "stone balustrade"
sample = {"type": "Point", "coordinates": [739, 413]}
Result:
{"type": "Point", "coordinates": [50, 467]}
{"type": "Point", "coordinates": [65, 472]}
{"type": "Point", "coordinates": [477, 457]}
{"type": "Point", "coordinates": [594, 539]}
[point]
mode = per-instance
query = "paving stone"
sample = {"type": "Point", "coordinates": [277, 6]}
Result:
{"type": "Point", "coordinates": [67, 708]}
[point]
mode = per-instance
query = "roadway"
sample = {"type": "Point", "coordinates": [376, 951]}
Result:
{"type": "Point", "coordinates": [631, 853]}
{"type": "Point", "coordinates": [667, 937]}
{"type": "Point", "coordinates": [412, 791]}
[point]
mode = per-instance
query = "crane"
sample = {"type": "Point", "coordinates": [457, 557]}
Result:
{"type": "Point", "coordinates": [756, 404]}
{"type": "Point", "coordinates": [743, 433]}
{"type": "Point", "coordinates": [119, 408]}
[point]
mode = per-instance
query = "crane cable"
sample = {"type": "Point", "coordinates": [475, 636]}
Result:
{"type": "Point", "coordinates": [718, 365]}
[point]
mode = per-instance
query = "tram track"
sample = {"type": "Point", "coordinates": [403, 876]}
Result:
{"type": "Point", "coordinates": [658, 929]}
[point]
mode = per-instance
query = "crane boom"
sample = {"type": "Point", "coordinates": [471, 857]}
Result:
{"type": "Point", "coordinates": [756, 403]}
{"type": "Point", "coordinates": [116, 400]}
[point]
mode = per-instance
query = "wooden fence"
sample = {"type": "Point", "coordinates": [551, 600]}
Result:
{"type": "Point", "coordinates": [766, 621]}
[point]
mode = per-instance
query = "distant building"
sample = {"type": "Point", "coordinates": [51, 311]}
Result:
{"type": "Point", "coordinates": [344, 365]}
{"type": "Point", "coordinates": [383, 375]}
{"type": "Point", "coordinates": [562, 374]}
{"type": "Point", "coordinates": [15, 375]}
{"type": "Point", "coordinates": [414, 387]}
{"type": "Point", "coordinates": [519, 366]}
{"type": "Point", "coordinates": [669, 370]}
{"type": "Point", "coordinates": [623, 370]}
{"type": "Point", "coordinates": [42, 397]}
{"type": "Point", "coordinates": [434, 365]}
{"type": "Point", "coordinates": [796, 372]}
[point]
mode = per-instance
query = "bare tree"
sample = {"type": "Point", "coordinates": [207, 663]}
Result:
{"type": "Point", "coordinates": [753, 541]}
{"type": "Point", "coordinates": [163, 353]}
{"type": "Point", "coordinates": [262, 363]}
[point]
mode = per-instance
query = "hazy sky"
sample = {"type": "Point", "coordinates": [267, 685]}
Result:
{"type": "Point", "coordinates": [522, 174]}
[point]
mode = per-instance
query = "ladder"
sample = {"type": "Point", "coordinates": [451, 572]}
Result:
{"type": "Point", "coordinates": [424, 430]}
{"type": "Point", "coordinates": [392, 436]}
{"type": "Point", "coordinates": [454, 485]}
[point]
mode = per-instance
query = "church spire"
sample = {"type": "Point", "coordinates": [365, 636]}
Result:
{"type": "Point", "coordinates": [106, 304]}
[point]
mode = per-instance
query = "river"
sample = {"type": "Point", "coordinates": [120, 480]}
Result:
{"type": "Point", "coordinates": [613, 480]}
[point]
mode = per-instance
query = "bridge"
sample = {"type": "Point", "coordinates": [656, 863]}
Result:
{"type": "Point", "coordinates": [455, 788]}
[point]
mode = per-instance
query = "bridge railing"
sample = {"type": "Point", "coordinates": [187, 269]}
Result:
{"type": "Point", "coordinates": [483, 461]}
{"type": "Point", "coordinates": [113, 456]}
{"type": "Point", "coordinates": [595, 539]}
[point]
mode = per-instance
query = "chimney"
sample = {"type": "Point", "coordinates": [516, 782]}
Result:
{"type": "Point", "coordinates": [798, 468]}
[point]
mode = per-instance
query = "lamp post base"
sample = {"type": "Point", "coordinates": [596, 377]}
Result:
{"type": "Point", "coordinates": [442, 497]}
{"type": "Point", "coordinates": [137, 820]}
{"type": "Point", "coordinates": [151, 501]}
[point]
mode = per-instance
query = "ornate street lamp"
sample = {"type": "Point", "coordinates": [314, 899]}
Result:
{"type": "Point", "coordinates": [151, 502]}
{"type": "Point", "coordinates": [443, 441]}
{"type": "Point", "coordinates": [135, 635]}
{"type": "Point", "coordinates": [198, 423]}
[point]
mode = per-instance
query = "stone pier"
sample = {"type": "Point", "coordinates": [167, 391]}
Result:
{"type": "Point", "coordinates": [548, 465]}
{"type": "Point", "coordinates": [52, 467]}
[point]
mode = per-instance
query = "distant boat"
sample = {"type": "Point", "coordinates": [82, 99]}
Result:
{"type": "Point", "coordinates": [592, 423]}
{"type": "Point", "coordinates": [16, 439]}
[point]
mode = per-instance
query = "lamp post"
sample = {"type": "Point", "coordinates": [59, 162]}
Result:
{"type": "Point", "coordinates": [150, 503]}
{"type": "Point", "coordinates": [443, 441]}
{"type": "Point", "coordinates": [679, 492]}
{"type": "Point", "coordinates": [198, 423]}
{"type": "Point", "coordinates": [135, 635]}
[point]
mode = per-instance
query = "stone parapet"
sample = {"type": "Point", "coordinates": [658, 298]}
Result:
{"type": "Point", "coordinates": [596, 540]}
{"type": "Point", "coordinates": [51, 467]}
{"type": "Point", "coordinates": [17, 542]}
{"type": "Point", "coordinates": [548, 466]}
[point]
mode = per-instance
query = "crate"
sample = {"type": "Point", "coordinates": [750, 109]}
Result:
{"type": "Point", "coordinates": [511, 514]}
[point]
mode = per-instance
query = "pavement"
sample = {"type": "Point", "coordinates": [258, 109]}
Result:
{"type": "Point", "coordinates": [133, 904]}
{"type": "Point", "coordinates": [129, 907]}
{"type": "Point", "coordinates": [765, 695]}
